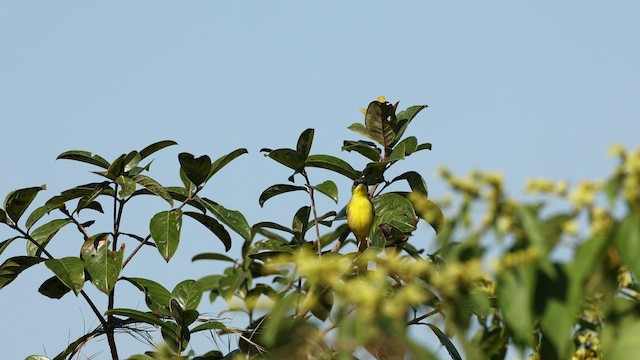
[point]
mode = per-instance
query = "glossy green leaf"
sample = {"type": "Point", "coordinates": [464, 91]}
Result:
{"type": "Point", "coordinates": [362, 130]}
{"type": "Point", "coordinates": [425, 146]}
{"type": "Point", "coordinates": [271, 245]}
{"type": "Point", "coordinates": [177, 193]}
{"type": "Point", "coordinates": [127, 186]}
{"type": "Point", "coordinates": [17, 202]}
{"type": "Point", "coordinates": [43, 234]}
{"type": "Point", "coordinates": [116, 168]}
{"type": "Point", "coordinates": [12, 267]}
{"type": "Point", "coordinates": [380, 121]}
{"type": "Point", "coordinates": [224, 160]}
{"type": "Point", "coordinates": [626, 345]}
{"type": "Point", "coordinates": [300, 223]}
{"type": "Point", "coordinates": [3, 216]}
{"type": "Point", "coordinates": [212, 256]}
{"type": "Point", "coordinates": [410, 144]}
{"type": "Point", "coordinates": [155, 147]}
{"type": "Point", "coordinates": [84, 156]}
{"type": "Point", "coordinates": [334, 164]}
{"type": "Point", "coordinates": [53, 288]}
{"type": "Point", "coordinates": [102, 264]}
{"type": "Point", "coordinates": [304, 143]}
{"type": "Point", "coordinates": [131, 160]}
{"type": "Point", "coordinates": [415, 181]}
{"type": "Point", "coordinates": [209, 325]}
{"type": "Point", "coordinates": [374, 172]}
{"type": "Point", "coordinates": [232, 218]}
{"type": "Point", "coordinates": [196, 169]}
{"type": "Point", "coordinates": [365, 148]}
{"type": "Point", "coordinates": [231, 282]}
{"type": "Point", "coordinates": [165, 229]}
{"type": "Point", "coordinates": [329, 189]}
{"type": "Point", "coordinates": [278, 189]}
{"type": "Point", "coordinates": [70, 270]}
{"type": "Point", "coordinates": [156, 296]}
{"type": "Point", "coordinates": [90, 191]}
{"type": "Point", "coordinates": [627, 241]}
{"type": "Point", "coordinates": [188, 294]}
{"type": "Point", "coordinates": [5, 244]}
{"type": "Point", "coordinates": [188, 185]}
{"type": "Point", "coordinates": [289, 158]}
{"type": "Point", "coordinates": [404, 118]}
{"type": "Point", "coordinates": [153, 186]}
{"type": "Point", "coordinates": [395, 210]}
{"type": "Point", "coordinates": [272, 225]}
{"type": "Point", "coordinates": [137, 315]}
{"type": "Point", "coordinates": [397, 153]}
{"type": "Point", "coordinates": [36, 357]}
{"type": "Point", "coordinates": [214, 226]}
{"type": "Point", "coordinates": [446, 342]}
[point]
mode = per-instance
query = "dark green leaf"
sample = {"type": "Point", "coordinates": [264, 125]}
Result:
{"type": "Point", "coordinates": [224, 160]}
{"type": "Point", "coordinates": [289, 158]}
{"type": "Point", "coordinates": [17, 202]}
{"type": "Point", "coordinates": [156, 296]}
{"type": "Point", "coordinates": [362, 130]}
{"type": "Point", "coordinates": [444, 340]}
{"type": "Point", "coordinates": [398, 153]}
{"type": "Point", "coordinates": [425, 146]}
{"type": "Point", "coordinates": [127, 186]}
{"type": "Point", "coordinates": [6, 243]}
{"type": "Point", "coordinates": [53, 288]}
{"type": "Point", "coordinates": [70, 270]}
{"type": "Point", "coordinates": [300, 223]}
{"type": "Point", "coordinates": [404, 119]}
{"type": "Point", "coordinates": [278, 189]}
{"type": "Point", "coordinates": [515, 290]}
{"type": "Point", "coordinates": [209, 325]}
{"type": "Point", "coordinates": [232, 218]}
{"type": "Point", "coordinates": [374, 172]}
{"type": "Point", "coordinates": [155, 147]}
{"type": "Point", "coordinates": [415, 181]}
{"type": "Point", "coordinates": [131, 161]}
{"type": "Point", "coordinates": [272, 225]}
{"type": "Point", "coordinates": [43, 234]}
{"type": "Point", "coordinates": [380, 121]}
{"type": "Point", "coordinates": [102, 264]}
{"type": "Point", "coordinates": [137, 315]}
{"type": "Point", "coordinates": [365, 148]}
{"type": "Point", "coordinates": [3, 216]}
{"type": "Point", "coordinates": [84, 156]}
{"type": "Point", "coordinates": [116, 168]}
{"type": "Point", "coordinates": [188, 294]}
{"type": "Point", "coordinates": [304, 143]}
{"type": "Point", "coordinates": [36, 357]}
{"type": "Point", "coordinates": [334, 164]}
{"type": "Point", "coordinates": [153, 186]}
{"type": "Point", "coordinates": [165, 229]}
{"type": "Point", "coordinates": [328, 188]}
{"type": "Point", "coordinates": [177, 193]}
{"type": "Point", "coordinates": [12, 267]}
{"type": "Point", "coordinates": [214, 226]}
{"type": "Point", "coordinates": [427, 210]}
{"type": "Point", "coordinates": [271, 245]}
{"type": "Point", "coordinates": [392, 209]}
{"type": "Point", "coordinates": [196, 169]}
{"type": "Point", "coordinates": [212, 256]}
{"type": "Point", "coordinates": [627, 241]}
{"type": "Point", "coordinates": [410, 145]}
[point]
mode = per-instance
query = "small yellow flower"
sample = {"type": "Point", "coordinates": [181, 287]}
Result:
{"type": "Point", "coordinates": [381, 99]}
{"type": "Point", "coordinates": [616, 150]}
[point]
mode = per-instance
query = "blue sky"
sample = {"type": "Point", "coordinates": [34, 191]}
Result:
{"type": "Point", "coordinates": [532, 89]}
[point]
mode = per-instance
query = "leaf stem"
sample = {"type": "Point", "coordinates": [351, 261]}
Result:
{"type": "Point", "coordinates": [315, 211]}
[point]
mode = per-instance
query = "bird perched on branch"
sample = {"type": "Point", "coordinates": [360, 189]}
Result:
{"type": "Point", "coordinates": [360, 213]}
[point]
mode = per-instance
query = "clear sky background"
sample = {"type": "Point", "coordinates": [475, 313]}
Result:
{"type": "Point", "coordinates": [530, 88]}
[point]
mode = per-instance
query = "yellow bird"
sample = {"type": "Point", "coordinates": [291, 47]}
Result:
{"type": "Point", "coordinates": [360, 213]}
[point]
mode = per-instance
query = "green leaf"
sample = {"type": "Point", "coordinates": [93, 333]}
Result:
{"type": "Point", "coordinates": [102, 264]}
{"type": "Point", "coordinates": [300, 223]}
{"type": "Point", "coordinates": [362, 130]}
{"type": "Point", "coordinates": [395, 210]}
{"type": "Point", "coordinates": [627, 241]}
{"type": "Point", "coordinates": [137, 315]}
{"type": "Point", "coordinates": [272, 225]}
{"type": "Point", "coordinates": [209, 325]}
{"type": "Point", "coordinates": [427, 210]}
{"type": "Point", "coordinates": [156, 296]}
{"type": "Point", "coordinates": [415, 181]}
{"type": "Point", "coordinates": [3, 216]}
{"type": "Point", "coordinates": [165, 229]}
{"type": "Point", "coordinates": [446, 342]}
{"type": "Point", "coordinates": [196, 169]}
{"type": "Point", "coordinates": [289, 158]}
{"type": "Point", "coordinates": [374, 172]}
{"type": "Point", "coordinates": [177, 193]}
{"type": "Point", "coordinates": [533, 229]}
{"type": "Point", "coordinates": [12, 267]}
{"type": "Point", "coordinates": [278, 189]}
{"type": "Point", "coordinates": [214, 226]}
{"type": "Point", "coordinates": [380, 121]}
{"type": "Point", "coordinates": [127, 186]}
{"type": "Point", "coordinates": [224, 160]}
{"type": "Point", "coordinates": [53, 288]}
{"type": "Point", "coordinates": [334, 164]}
{"type": "Point", "coordinates": [17, 202]}
{"type": "Point", "coordinates": [304, 143]}
{"type": "Point", "coordinates": [328, 188]}
{"type": "Point", "coordinates": [425, 146]}
{"type": "Point", "coordinates": [116, 168]}
{"type": "Point", "coordinates": [155, 147]}
{"type": "Point", "coordinates": [397, 153]}
{"type": "Point", "coordinates": [153, 186]}
{"type": "Point", "coordinates": [43, 234]}
{"type": "Point", "coordinates": [232, 218]}
{"type": "Point", "coordinates": [410, 145]}
{"type": "Point", "coordinates": [626, 345]}
{"type": "Point", "coordinates": [212, 256]}
{"type": "Point", "coordinates": [515, 299]}
{"type": "Point", "coordinates": [404, 118]}
{"type": "Point", "coordinates": [131, 161]}
{"type": "Point", "coordinates": [188, 294]}
{"type": "Point", "coordinates": [70, 270]}
{"type": "Point", "coordinates": [84, 156]}
{"type": "Point", "coordinates": [365, 148]}
{"type": "Point", "coordinates": [6, 243]}
{"type": "Point", "coordinates": [36, 357]}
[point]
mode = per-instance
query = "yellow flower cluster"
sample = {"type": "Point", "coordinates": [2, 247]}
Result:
{"type": "Point", "coordinates": [456, 275]}
{"type": "Point", "coordinates": [515, 259]}
{"type": "Point", "coordinates": [631, 171]}
{"type": "Point", "coordinates": [546, 186]}
{"type": "Point", "coordinates": [601, 221]}
{"type": "Point", "coordinates": [584, 194]}
{"type": "Point", "coordinates": [589, 346]}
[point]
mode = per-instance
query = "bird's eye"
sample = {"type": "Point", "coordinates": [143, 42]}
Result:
{"type": "Point", "coordinates": [355, 183]}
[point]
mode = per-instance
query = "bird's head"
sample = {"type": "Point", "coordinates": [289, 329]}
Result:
{"type": "Point", "coordinates": [359, 186]}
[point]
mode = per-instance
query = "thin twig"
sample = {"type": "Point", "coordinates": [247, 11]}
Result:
{"type": "Point", "coordinates": [315, 211]}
